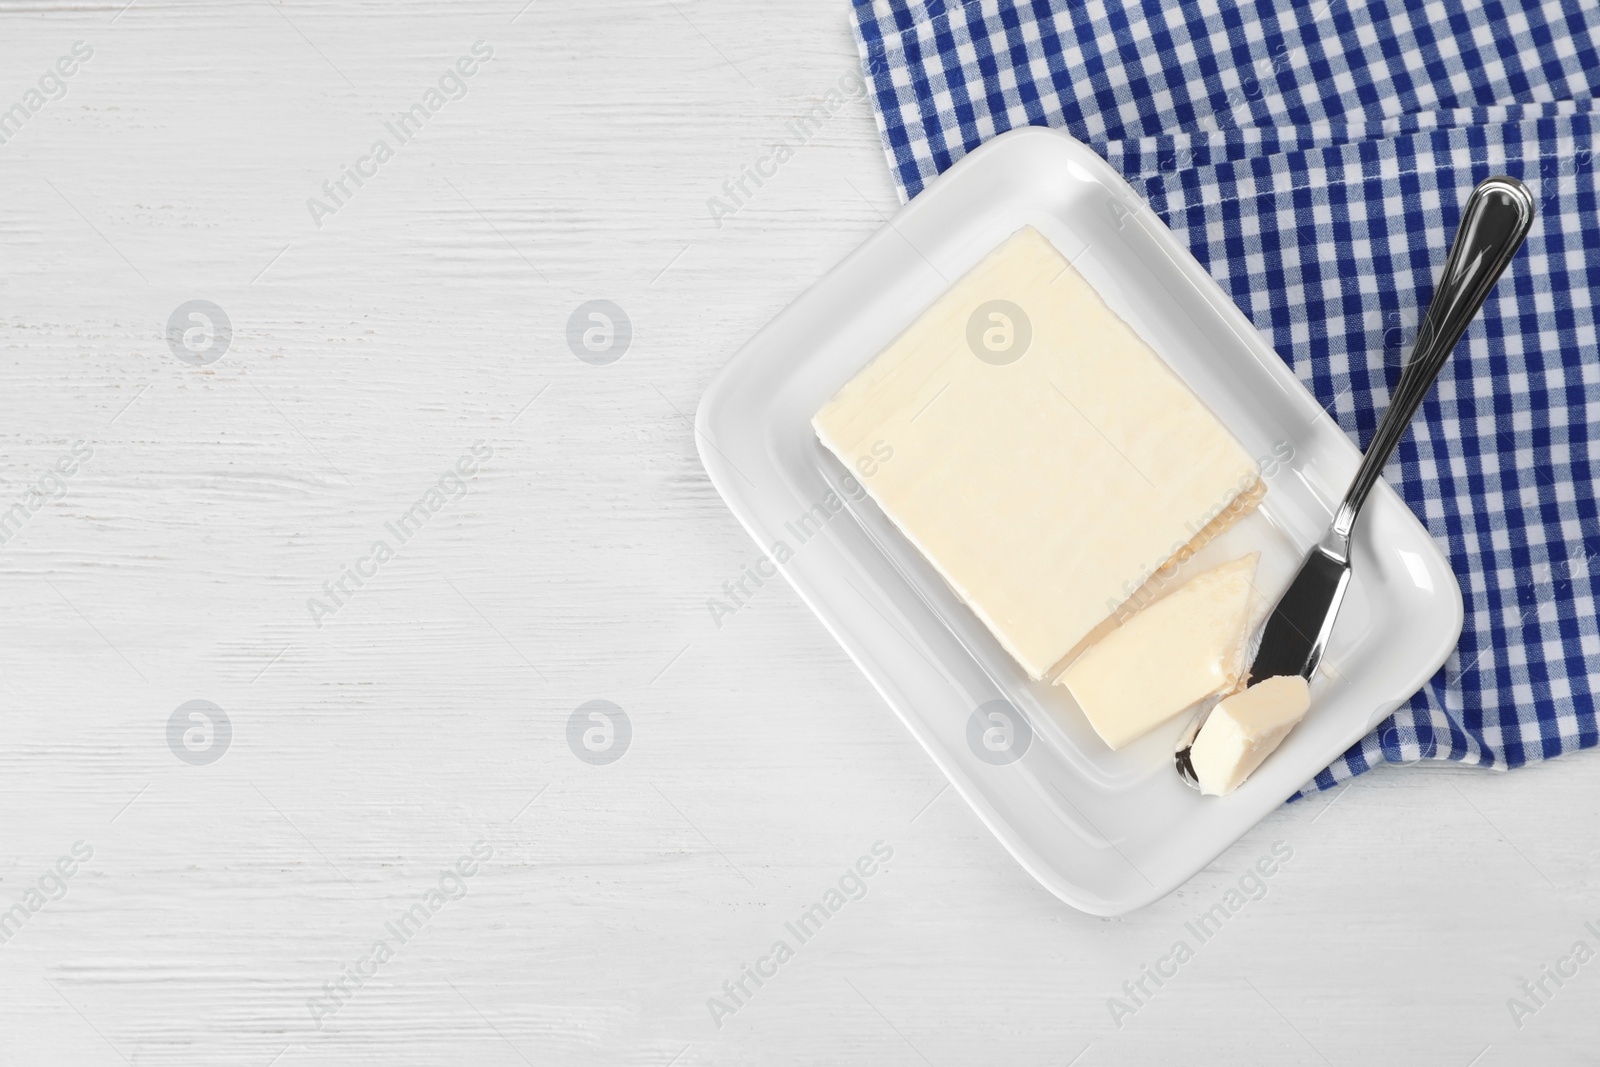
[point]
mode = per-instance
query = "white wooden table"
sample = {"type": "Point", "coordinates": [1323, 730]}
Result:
{"type": "Point", "coordinates": [428, 714]}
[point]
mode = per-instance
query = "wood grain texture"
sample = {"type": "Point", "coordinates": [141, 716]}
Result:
{"type": "Point", "coordinates": [430, 712]}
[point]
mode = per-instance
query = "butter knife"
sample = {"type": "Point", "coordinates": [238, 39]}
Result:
{"type": "Point", "coordinates": [1497, 217]}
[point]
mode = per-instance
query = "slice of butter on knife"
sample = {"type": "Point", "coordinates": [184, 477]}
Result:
{"type": "Point", "coordinates": [1244, 730]}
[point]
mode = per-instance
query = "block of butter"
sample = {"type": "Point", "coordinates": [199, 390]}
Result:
{"type": "Point", "coordinates": [1045, 460]}
{"type": "Point", "coordinates": [1185, 647]}
{"type": "Point", "coordinates": [1244, 730]}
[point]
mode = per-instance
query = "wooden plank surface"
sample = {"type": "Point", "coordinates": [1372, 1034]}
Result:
{"type": "Point", "coordinates": [422, 721]}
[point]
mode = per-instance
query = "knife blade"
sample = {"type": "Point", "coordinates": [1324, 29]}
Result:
{"type": "Point", "coordinates": [1296, 633]}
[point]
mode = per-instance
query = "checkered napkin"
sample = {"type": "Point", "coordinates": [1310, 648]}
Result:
{"type": "Point", "coordinates": [1315, 157]}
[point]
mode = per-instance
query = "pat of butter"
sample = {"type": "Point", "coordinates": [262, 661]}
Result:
{"type": "Point", "coordinates": [1183, 648]}
{"type": "Point", "coordinates": [1244, 729]}
{"type": "Point", "coordinates": [1040, 455]}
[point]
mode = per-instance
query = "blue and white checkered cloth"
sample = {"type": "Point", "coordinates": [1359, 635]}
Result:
{"type": "Point", "coordinates": [1315, 158]}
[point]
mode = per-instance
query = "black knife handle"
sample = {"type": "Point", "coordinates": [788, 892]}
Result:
{"type": "Point", "coordinates": [1494, 222]}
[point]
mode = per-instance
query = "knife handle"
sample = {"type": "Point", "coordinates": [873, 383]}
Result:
{"type": "Point", "coordinates": [1497, 217]}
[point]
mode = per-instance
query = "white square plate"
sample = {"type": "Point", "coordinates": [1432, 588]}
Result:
{"type": "Point", "coordinates": [1105, 831]}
